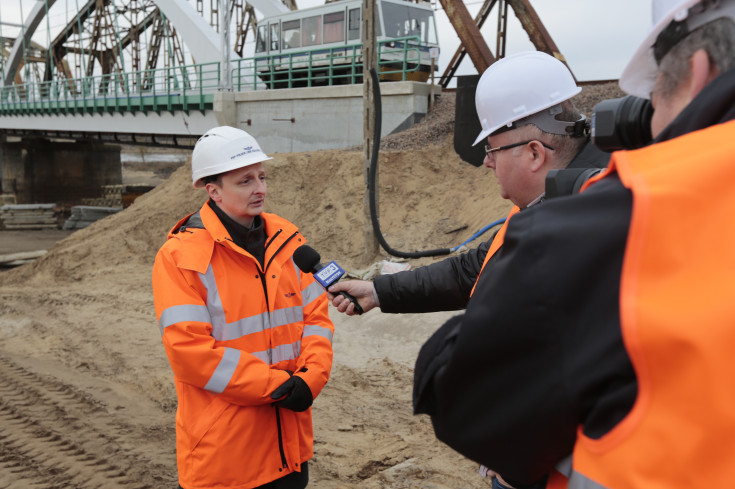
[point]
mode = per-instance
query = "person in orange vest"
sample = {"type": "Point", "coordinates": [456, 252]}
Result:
{"type": "Point", "coordinates": [247, 334]}
{"type": "Point", "coordinates": [606, 328]}
{"type": "Point", "coordinates": [523, 147]}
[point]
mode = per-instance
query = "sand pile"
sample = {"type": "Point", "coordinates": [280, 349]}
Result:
{"type": "Point", "coordinates": [88, 396]}
{"type": "Point", "coordinates": [81, 320]}
{"type": "Point", "coordinates": [428, 198]}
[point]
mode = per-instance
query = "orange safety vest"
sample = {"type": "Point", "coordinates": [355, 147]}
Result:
{"type": "Point", "coordinates": [496, 244]}
{"type": "Point", "coordinates": [677, 313]}
{"type": "Point", "coordinates": [230, 331]}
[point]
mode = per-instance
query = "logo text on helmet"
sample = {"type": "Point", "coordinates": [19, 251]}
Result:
{"type": "Point", "coordinates": [246, 150]}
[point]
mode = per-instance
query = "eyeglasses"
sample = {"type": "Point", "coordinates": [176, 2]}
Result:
{"type": "Point", "coordinates": [489, 151]}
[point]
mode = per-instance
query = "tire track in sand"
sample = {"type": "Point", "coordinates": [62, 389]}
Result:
{"type": "Point", "coordinates": [53, 436]}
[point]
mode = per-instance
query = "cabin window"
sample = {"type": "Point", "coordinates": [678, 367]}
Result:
{"type": "Point", "coordinates": [261, 41]}
{"type": "Point", "coordinates": [353, 26]}
{"type": "Point", "coordinates": [403, 21]}
{"type": "Point", "coordinates": [423, 21]}
{"type": "Point", "coordinates": [334, 27]}
{"type": "Point", "coordinates": [292, 34]}
{"type": "Point", "coordinates": [311, 31]}
{"type": "Point", "coordinates": [275, 37]}
{"type": "Point", "coordinates": [394, 18]}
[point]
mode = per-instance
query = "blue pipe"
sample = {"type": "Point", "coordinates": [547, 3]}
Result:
{"type": "Point", "coordinates": [480, 232]}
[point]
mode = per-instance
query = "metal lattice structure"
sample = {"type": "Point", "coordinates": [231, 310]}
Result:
{"type": "Point", "coordinates": [103, 37]}
{"type": "Point", "coordinates": [473, 44]}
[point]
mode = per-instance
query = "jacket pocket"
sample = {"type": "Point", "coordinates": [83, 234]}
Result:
{"type": "Point", "coordinates": [206, 419]}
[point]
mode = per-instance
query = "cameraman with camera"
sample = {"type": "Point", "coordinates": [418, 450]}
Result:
{"type": "Point", "coordinates": [606, 328]}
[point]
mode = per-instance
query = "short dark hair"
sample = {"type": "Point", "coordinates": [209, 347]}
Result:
{"type": "Point", "coordinates": [717, 38]}
{"type": "Point", "coordinates": [213, 179]}
{"type": "Point", "coordinates": [566, 146]}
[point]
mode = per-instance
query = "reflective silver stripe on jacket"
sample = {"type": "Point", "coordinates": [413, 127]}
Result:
{"type": "Point", "coordinates": [286, 352]}
{"type": "Point", "coordinates": [565, 467]}
{"type": "Point", "coordinates": [224, 371]}
{"type": "Point", "coordinates": [240, 328]}
{"type": "Point", "coordinates": [314, 330]}
{"type": "Point", "coordinates": [298, 271]}
{"type": "Point", "coordinates": [223, 331]}
{"type": "Point", "coordinates": [312, 293]}
{"type": "Point", "coordinates": [580, 481]}
{"type": "Point", "coordinates": [185, 312]}
{"type": "Point", "coordinates": [279, 353]}
{"type": "Point", "coordinates": [214, 301]}
{"type": "Point", "coordinates": [287, 315]}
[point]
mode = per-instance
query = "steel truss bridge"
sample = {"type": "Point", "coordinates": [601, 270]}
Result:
{"type": "Point", "coordinates": [142, 71]}
{"type": "Point", "coordinates": [150, 71]}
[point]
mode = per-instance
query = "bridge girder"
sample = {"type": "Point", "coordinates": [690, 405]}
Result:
{"type": "Point", "coordinates": [29, 28]}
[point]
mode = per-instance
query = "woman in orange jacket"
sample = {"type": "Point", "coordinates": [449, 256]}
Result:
{"type": "Point", "coordinates": [247, 334]}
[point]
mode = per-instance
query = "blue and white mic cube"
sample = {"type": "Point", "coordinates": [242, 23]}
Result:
{"type": "Point", "coordinates": [329, 274]}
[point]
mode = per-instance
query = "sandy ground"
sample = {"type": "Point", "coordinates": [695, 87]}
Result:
{"type": "Point", "coordinates": [12, 241]}
{"type": "Point", "coordinates": [87, 397]}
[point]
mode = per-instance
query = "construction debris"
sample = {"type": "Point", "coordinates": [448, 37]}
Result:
{"type": "Point", "coordinates": [118, 195]}
{"type": "Point", "coordinates": [111, 197]}
{"type": "Point", "coordinates": [84, 215]}
{"type": "Point", "coordinates": [132, 192]}
{"type": "Point", "coordinates": [29, 216]}
{"type": "Point", "coordinates": [16, 259]}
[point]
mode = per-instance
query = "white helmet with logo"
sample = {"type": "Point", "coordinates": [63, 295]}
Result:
{"type": "Point", "coordinates": [520, 86]}
{"type": "Point", "coordinates": [223, 149]}
{"type": "Point", "coordinates": [639, 75]}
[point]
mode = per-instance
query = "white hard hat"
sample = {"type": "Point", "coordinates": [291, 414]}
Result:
{"type": "Point", "coordinates": [223, 149]}
{"type": "Point", "coordinates": [519, 86]}
{"type": "Point", "coordinates": [639, 75]}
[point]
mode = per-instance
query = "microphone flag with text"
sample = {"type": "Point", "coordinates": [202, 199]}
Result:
{"type": "Point", "coordinates": [307, 259]}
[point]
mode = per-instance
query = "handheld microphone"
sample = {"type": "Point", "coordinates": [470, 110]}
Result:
{"type": "Point", "coordinates": [307, 259]}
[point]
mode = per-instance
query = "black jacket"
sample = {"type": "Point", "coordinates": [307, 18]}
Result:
{"type": "Point", "coordinates": [539, 351]}
{"type": "Point", "coordinates": [446, 285]}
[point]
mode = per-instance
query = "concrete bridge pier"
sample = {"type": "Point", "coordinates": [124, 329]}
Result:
{"type": "Point", "coordinates": [37, 170]}
{"type": "Point", "coordinates": [309, 119]}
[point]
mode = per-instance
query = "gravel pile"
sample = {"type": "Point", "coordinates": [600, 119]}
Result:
{"type": "Point", "coordinates": [439, 123]}
{"type": "Point", "coordinates": [591, 95]}
{"type": "Point", "coordinates": [432, 129]}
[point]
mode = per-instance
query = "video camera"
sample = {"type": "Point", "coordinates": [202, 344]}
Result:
{"type": "Point", "coordinates": [568, 181]}
{"type": "Point", "coordinates": [621, 123]}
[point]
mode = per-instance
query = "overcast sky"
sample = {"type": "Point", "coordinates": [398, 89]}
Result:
{"type": "Point", "coordinates": [597, 37]}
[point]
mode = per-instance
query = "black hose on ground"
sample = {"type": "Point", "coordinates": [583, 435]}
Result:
{"type": "Point", "coordinates": [378, 110]}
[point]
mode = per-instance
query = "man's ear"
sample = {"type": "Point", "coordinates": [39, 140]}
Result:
{"type": "Point", "coordinates": [213, 191]}
{"type": "Point", "coordinates": [537, 154]}
{"type": "Point", "coordinates": [702, 72]}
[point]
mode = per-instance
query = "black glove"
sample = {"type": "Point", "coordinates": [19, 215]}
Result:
{"type": "Point", "coordinates": [298, 395]}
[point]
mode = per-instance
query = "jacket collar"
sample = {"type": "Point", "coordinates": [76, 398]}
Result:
{"type": "Point", "coordinates": [281, 234]}
{"type": "Point", "coordinates": [202, 229]}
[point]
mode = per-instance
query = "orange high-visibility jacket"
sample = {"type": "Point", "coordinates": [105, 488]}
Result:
{"type": "Point", "coordinates": [497, 243]}
{"type": "Point", "coordinates": [677, 305]}
{"type": "Point", "coordinates": [231, 330]}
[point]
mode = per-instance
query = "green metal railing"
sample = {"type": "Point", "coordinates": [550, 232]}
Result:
{"type": "Point", "coordinates": [325, 66]}
{"type": "Point", "coordinates": [164, 89]}
{"type": "Point", "coordinates": [192, 87]}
